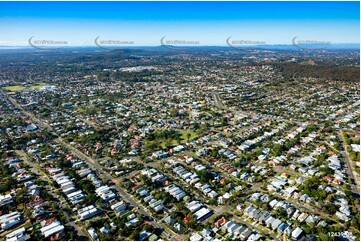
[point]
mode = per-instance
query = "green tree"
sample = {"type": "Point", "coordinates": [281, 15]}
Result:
{"type": "Point", "coordinates": [135, 235]}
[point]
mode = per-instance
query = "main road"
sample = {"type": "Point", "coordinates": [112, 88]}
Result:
{"type": "Point", "coordinates": [217, 101]}
{"type": "Point", "coordinates": [91, 162]}
{"type": "Point", "coordinates": [355, 185]}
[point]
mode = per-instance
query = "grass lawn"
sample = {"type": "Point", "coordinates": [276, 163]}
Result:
{"type": "Point", "coordinates": [15, 88]}
{"type": "Point", "coordinates": [20, 206]}
{"type": "Point", "coordinates": [184, 137]}
{"type": "Point", "coordinates": [85, 232]}
{"type": "Point", "coordinates": [37, 86]}
{"type": "Point", "coordinates": [24, 88]}
{"type": "Point", "coordinates": [167, 143]}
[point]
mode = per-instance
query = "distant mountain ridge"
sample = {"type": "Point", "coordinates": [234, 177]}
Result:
{"type": "Point", "coordinates": [128, 49]}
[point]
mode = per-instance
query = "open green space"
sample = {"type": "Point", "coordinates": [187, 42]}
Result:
{"type": "Point", "coordinates": [163, 139]}
{"type": "Point", "coordinates": [19, 88]}
{"type": "Point", "coordinates": [185, 136]}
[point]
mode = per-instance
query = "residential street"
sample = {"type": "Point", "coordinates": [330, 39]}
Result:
{"type": "Point", "coordinates": [94, 164]}
{"type": "Point", "coordinates": [355, 179]}
{"type": "Point", "coordinates": [52, 190]}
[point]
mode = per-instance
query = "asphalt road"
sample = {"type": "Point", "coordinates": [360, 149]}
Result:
{"type": "Point", "coordinates": [35, 169]}
{"type": "Point", "coordinates": [355, 186]}
{"type": "Point", "coordinates": [105, 174]}
{"type": "Point", "coordinates": [92, 163]}
{"type": "Point", "coordinates": [217, 101]}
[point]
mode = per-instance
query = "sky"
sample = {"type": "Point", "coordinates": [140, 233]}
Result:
{"type": "Point", "coordinates": [201, 23]}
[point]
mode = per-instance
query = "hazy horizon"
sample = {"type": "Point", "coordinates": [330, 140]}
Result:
{"type": "Point", "coordinates": [207, 23]}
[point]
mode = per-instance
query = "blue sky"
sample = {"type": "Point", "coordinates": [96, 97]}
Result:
{"type": "Point", "coordinates": [209, 23]}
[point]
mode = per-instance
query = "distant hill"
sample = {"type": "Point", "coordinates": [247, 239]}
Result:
{"type": "Point", "coordinates": [161, 48]}
{"type": "Point", "coordinates": [312, 69]}
{"type": "Point", "coordinates": [309, 62]}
